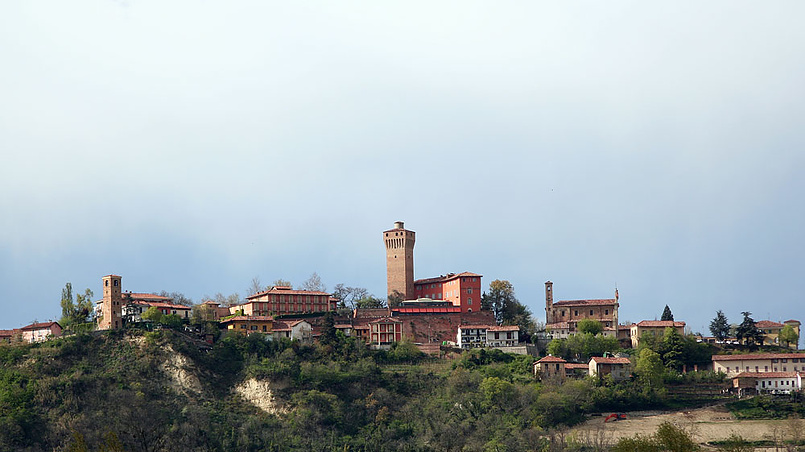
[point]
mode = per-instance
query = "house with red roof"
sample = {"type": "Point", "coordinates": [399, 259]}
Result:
{"type": "Point", "coordinates": [550, 367]}
{"type": "Point", "coordinates": [654, 328]}
{"type": "Point", "coordinates": [601, 366]}
{"type": "Point", "coordinates": [746, 383]}
{"type": "Point", "coordinates": [461, 290]}
{"type": "Point", "coordinates": [40, 332]}
{"type": "Point", "coordinates": [293, 329]}
{"type": "Point", "coordinates": [771, 331]}
{"type": "Point", "coordinates": [135, 304]}
{"type": "Point", "coordinates": [759, 363]}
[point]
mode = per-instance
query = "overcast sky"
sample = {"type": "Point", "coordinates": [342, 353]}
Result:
{"type": "Point", "coordinates": [190, 146]}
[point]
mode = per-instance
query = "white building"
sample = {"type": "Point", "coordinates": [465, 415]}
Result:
{"type": "Point", "coordinates": [472, 336]}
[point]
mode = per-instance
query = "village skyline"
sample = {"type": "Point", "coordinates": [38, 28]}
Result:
{"type": "Point", "coordinates": [191, 147]}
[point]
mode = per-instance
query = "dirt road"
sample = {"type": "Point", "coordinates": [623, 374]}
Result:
{"type": "Point", "coordinates": [704, 424]}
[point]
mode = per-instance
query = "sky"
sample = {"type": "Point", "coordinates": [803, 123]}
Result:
{"type": "Point", "coordinates": [191, 146]}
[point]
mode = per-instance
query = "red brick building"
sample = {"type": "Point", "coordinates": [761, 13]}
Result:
{"type": "Point", "coordinates": [281, 300]}
{"type": "Point", "coordinates": [462, 290]}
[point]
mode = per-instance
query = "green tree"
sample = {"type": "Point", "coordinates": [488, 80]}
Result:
{"type": "Point", "coordinates": [649, 368]}
{"type": "Point", "coordinates": [328, 332]}
{"type": "Point", "coordinates": [78, 311]}
{"type": "Point", "coordinates": [153, 314]}
{"type": "Point", "coordinates": [590, 326]}
{"type": "Point", "coordinates": [370, 302]}
{"type": "Point", "coordinates": [667, 315]}
{"type": "Point", "coordinates": [719, 327]}
{"type": "Point", "coordinates": [395, 298]}
{"type": "Point", "coordinates": [788, 335]}
{"type": "Point", "coordinates": [673, 346]}
{"type": "Point", "coordinates": [348, 297]}
{"type": "Point", "coordinates": [748, 332]}
{"type": "Point", "coordinates": [506, 308]}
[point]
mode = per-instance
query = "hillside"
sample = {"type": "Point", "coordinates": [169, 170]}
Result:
{"type": "Point", "coordinates": [163, 391]}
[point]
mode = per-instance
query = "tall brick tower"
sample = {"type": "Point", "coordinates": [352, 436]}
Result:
{"type": "Point", "coordinates": [549, 302]}
{"type": "Point", "coordinates": [400, 260]}
{"type": "Point", "coordinates": [111, 304]}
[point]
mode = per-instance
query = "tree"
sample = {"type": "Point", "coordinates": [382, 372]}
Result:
{"type": "Point", "coordinates": [719, 327]}
{"type": "Point", "coordinates": [667, 315]}
{"type": "Point", "coordinates": [395, 298]}
{"type": "Point", "coordinates": [328, 332]}
{"type": "Point", "coordinates": [314, 284]}
{"type": "Point", "coordinates": [788, 336]}
{"type": "Point", "coordinates": [649, 368]}
{"type": "Point", "coordinates": [589, 326]}
{"type": "Point", "coordinates": [256, 286]}
{"type": "Point", "coordinates": [348, 296]}
{"type": "Point", "coordinates": [78, 311]}
{"type": "Point", "coordinates": [153, 314]}
{"type": "Point", "coordinates": [282, 283]}
{"type": "Point", "coordinates": [507, 309]}
{"type": "Point", "coordinates": [225, 300]}
{"type": "Point", "coordinates": [177, 297]}
{"type": "Point", "coordinates": [370, 302]}
{"type": "Point", "coordinates": [748, 332]}
{"type": "Point", "coordinates": [673, 346]}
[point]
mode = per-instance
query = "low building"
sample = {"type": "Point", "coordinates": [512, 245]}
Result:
{"type": "Point", "coordinates": [245, 324]}
{"type": "Point", "coordinates": [654, 328]}
{"type": "Point", "coordinates": [732, 365]}
{"type": "Point", "coordinates": [577, 370]}
{"type": "Point", "coordinates": [40, 332]}
{"type": "Point", "coordinates": [472, 336]}
{"type": "Point", "coordinates": [293, 329]}
{"type": "Point", "coordinates": [6, 336]}
{"type": "Point", "coordinates": [135, 305]}
{"type": "Point", "coordinates": [619, 368]}
{"type": "Point", "coordinates": [767, 382]}
{"type": "Point", "coordinates": [771, 331]}
{"type": "Point", "coordinates": [282, 300]}
{"type": "Point", "coordinates": [550, 367]}
{"type": "Point", "coordinates": [384, 331]}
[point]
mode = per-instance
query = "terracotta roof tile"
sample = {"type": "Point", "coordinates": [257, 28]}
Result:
{"type": "Point", "coordinates": [750, 356]}
{"type": "Point", "coordinates": [598, 302]}
{"type": "Point", "coordinates": [448, 277]}
{"type": "Point", "coordinates": [660, 324]}
{"type": "Point", "coordinates": [278, 290]}
{"type": "Point", "coordinates": [608, 360]}
{"type": "Point", "coordinates": [551, 359]}
{"type": "Point", "coordinates": [39, 326]}
{"type": "Point", "coordinates": [768, 324]}
{"type": "Point", "coordinates": [768, 374]}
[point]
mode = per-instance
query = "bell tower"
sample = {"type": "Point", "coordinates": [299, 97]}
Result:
{"type": "Point", "coordinates": [400, 260]}
{"type": "Point", "coordinates": [549, 302]}
{"type": "Point", "coordinates": [111, 304]}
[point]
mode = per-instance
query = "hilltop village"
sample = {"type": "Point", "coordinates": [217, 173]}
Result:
{"type": "Point", "coordinates": [445, 314]}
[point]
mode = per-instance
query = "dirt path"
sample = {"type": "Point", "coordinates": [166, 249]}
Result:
{"type": "Point", "coordinates": [705, 425]}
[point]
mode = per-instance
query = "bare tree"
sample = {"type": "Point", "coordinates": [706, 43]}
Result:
{"type": "Point", "coordinates": [282, 283]}
{"type": "Point", "coordinates": [256, 286]}
{"type": "Point", "coordinates": [314, 284]}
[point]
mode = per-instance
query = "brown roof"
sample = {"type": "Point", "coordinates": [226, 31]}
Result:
{"type": "Point", "coordinates": [6, 333]}
{"type": "Point", "coordinates": [551, 359]}
{"type": "Point", "coordinates": [504, 328]}
{"type": "Point", "coordinates": [163, 305]}
{"type": "Point", "coordinates": [281, 290]}
{"type": "Point", "coordinates": [660, 324]}
{"type": "Point", "coordinates": [557, 325]}
{"type": "Point", "coordinates": [768, 374]}
{"type": "Point", "coordinates": [768, 324]}
{"type": "Point", "coordinates": [256, 318]}
{"type": "Point", "coordinates": [39, 326]}
{"type": "Point", "coordinates": [447, 277]}
{"type": "Point", "coordinates": [791, 321]}
{"type": "Point", "coordinates": [571, 366]}
{"type": "Point", "coordinates": [608, 360]}
{"type": "Point", "coordinates": [746, 356]}
{"type": "Point", "coordinates": [385, 319]}
{"type": "Point", "coordinates": [599, 302]}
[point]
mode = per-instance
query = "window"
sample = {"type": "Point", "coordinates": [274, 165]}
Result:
{"type": "Point", "coordinates": [606, 311]}
{"type": "Point", "coordinates": [576, 312]}
{"type": "Point", "coordinates": [785, 360]}
{"type": "Point", "coordinates": [765, 368]}
{"type": "Point", "coordinates": [469, 300]}
{"type": "Point", "coordinates": [591, 312]}
{"type": "Point", "coordinates": [469, 290]}
{"type": "Point", "coordinates": [243, 327]}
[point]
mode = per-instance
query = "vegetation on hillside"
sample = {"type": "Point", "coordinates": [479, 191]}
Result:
{"type": "Point", "coordinates": [118, 390]}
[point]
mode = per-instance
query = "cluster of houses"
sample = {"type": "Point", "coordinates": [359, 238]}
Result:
{"type": "Point", "coordinates": [433, 313]}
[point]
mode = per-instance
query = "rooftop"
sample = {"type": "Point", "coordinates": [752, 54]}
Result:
{"type": "Point", "coordinates": [447, 277]}
{"type": "Point", "coordinates": [750, 356]}
{"type": "Point", "coordinates": [597, 302]}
